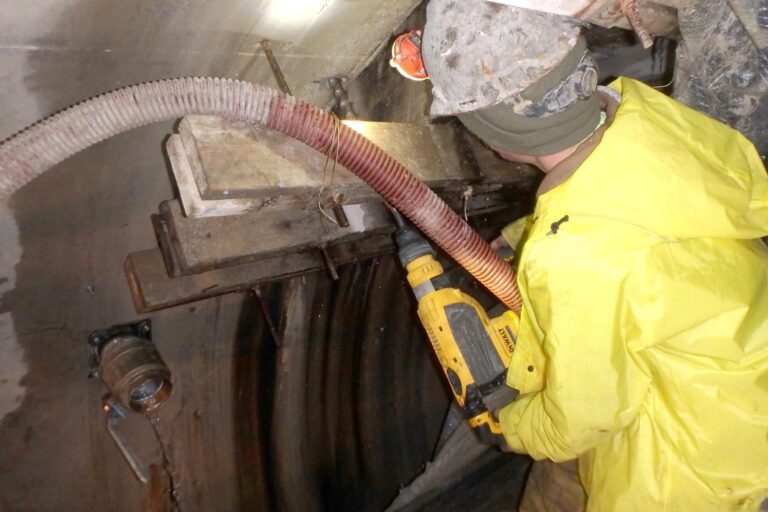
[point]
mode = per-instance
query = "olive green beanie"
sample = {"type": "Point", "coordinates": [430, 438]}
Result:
{"type": "Point", "coordinates": [548, 129]}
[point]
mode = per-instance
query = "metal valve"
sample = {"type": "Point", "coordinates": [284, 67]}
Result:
{"type": "Point", "coordinates": [131, 368]}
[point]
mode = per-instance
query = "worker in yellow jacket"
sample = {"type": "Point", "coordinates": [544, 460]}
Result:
{"type": "Point", "coordinates": [643, 346]}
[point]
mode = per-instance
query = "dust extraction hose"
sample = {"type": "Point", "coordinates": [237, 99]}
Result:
{"type": "Point", "coordinates": [36, 149]}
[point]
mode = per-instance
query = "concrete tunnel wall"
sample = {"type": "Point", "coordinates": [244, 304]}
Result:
{"type": "Point", "coordinates": [65, 236]}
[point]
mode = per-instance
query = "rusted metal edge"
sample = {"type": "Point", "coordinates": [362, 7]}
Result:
{"type": "Point", "coordinates": [163, 235]}
{"type": "Point", "coordinates": [632, 11]}
{"type": "Point", "coordinates": [266, 45]}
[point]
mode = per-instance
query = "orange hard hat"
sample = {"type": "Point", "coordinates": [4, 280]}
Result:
{"type": "Point", "coordinates": [406, 56]}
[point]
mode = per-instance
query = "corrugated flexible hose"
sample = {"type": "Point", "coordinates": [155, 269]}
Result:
{"type": "Point", "coordinates": [36, 149]}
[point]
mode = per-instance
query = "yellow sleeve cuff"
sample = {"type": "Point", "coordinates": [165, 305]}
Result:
{"type": "Point", "coordinates": [509, 418]}
{"type": "Point", "coordinates": [516, 233]}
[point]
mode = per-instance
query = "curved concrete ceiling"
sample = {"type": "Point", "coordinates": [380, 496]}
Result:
{"type": "Point", "coordinates": [55, 52]}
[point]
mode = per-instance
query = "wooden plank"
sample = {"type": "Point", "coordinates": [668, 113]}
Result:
{"type": "Point", "coordinates": [225, 168]}
{"type": "Point", "coordinates": [189, 194]}
{"type": "Point", "coordinates": [202, 244]}
{"type": "Point", "coordinates": [192, 245]}
{"type": "Point", "coordinates": [152, 289]}
{"type": "Point", "coordinates": [239, 160]}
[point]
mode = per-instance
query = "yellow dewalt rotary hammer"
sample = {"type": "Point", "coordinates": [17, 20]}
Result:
{"type": "Point", "coordinates": [473, 350]}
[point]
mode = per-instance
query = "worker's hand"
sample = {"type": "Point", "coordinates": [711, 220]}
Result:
{"type": "Point", "coordinates": [499, 243]}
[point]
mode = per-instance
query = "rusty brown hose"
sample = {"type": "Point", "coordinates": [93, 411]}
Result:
{"type": "Point", "coordinates": [36, 149]}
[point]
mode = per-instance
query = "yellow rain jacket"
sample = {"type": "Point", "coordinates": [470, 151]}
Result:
{"type": "Point", "coordinates": [643, 346]}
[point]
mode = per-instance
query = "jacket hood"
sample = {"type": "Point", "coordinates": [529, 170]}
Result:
{"type": "Point", "coordinates": [669, 169]}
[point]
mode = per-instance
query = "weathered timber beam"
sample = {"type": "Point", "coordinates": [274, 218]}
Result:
{"type": "Point", "coordinates": [152, 289]}
{"type": "Point", "coordinates": [256, 217]}
{"type": "Point", "coordinates": [192, 245]}
{"type": "Point", "coordinates": [198, 245]}
{"type": "Point", "coordinates": [224, 168]}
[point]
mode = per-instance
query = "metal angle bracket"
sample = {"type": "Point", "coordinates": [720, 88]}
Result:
{"type": "Point", "coordinates": [115, 414]}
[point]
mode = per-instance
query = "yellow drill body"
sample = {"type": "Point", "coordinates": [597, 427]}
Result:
{"type": "Point", "coordinates": [473, 350]}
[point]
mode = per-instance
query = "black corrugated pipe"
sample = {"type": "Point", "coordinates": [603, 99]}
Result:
{"type": "Point", "coordinates": [36, 149]}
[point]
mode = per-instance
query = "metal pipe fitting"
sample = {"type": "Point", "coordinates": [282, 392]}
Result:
{"type": "Point", "coordinates": [135, 373]}
{"type": "Point", "coordinates": [130, 366]}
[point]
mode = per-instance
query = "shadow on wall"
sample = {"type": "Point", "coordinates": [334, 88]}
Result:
{"type": "Point", "coordinates": [75, 225]}
{"type": "Point", "coordinates": [380, 93]}
{"type": "Point", "coordinates": [358, 398]}
{"type": "Point", "coordinates": [12, 365]}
